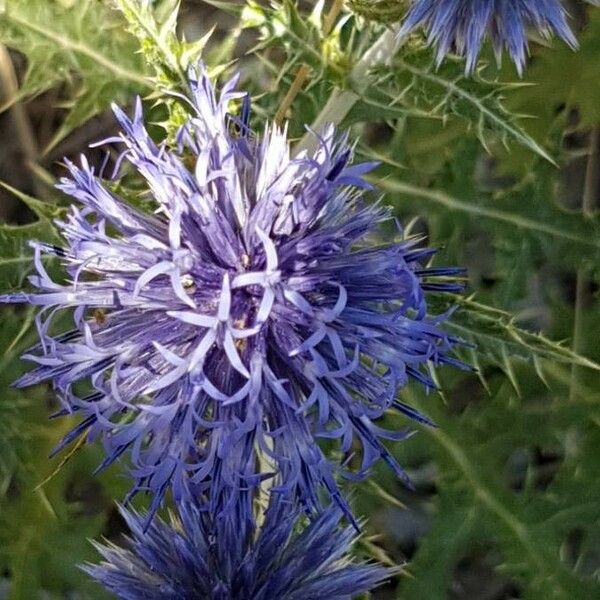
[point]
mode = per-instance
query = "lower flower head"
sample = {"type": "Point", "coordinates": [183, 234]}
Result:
{"type": "Point", "coordinates": [461, 26]}
{"type": "Point", "coordinates": [198, 556]}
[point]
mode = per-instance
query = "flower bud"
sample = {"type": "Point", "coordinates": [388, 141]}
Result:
{"type": "Point", "coordinates": [382, 11]}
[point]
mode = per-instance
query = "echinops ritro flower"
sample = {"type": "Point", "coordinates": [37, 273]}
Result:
{"type": "Point", "coordinates": [461, 26]}
{"type": "Point", "coordinates": [201, 556]}
{"type": "Point", "coordinates": [254, 311]}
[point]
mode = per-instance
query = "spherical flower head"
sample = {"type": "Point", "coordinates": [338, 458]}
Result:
{"type": "Point", "coordinates": [461, 26]}
{"type": "Point", "coordinates": [197, 556]}
{"type": "Point", "coordinates": [256, 310]}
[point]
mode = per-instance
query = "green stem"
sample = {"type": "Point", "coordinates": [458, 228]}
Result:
{"type": "Point", "coordinates": [341, 101]}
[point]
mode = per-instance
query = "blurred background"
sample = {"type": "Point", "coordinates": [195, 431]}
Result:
{"type": "Point", "coordinates": [506, 503]}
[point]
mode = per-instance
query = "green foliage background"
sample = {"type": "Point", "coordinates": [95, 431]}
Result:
{"type": "Point", "coordinates": [495, 170]}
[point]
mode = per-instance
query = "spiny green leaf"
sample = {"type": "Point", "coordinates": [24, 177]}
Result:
{"type": "Point", "coordinates": [446, 93]}
{"type": "Point", "coordinates": [44, 210]}
{"type": "Point", "coordinates": [301, 36]}
{"type": "Point", "coordinates": [155, 27]}
{"type": "Point", "coordinates": [15, 255]}
{"type": "Point", "coordinates": [83, 45]}
{"type": "Point", "coordinates": [454, 528]}
{"type": "Point", "coordinates": [44, 534]}
{"type": "Point", "coordinates": [499, 340]}
{"type": "Point", "coordinates": [581, 232]}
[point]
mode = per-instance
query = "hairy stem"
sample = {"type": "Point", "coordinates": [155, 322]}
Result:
{"type": "Point", "coordinates": [590, 195]}
{"type": "Point", "coordinates": [341, 101]}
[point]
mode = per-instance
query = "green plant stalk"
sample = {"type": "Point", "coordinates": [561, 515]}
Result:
{"type": "Point", "coordinates": [590, 194]}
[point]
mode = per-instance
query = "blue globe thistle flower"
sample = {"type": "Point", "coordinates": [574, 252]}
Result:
{"type": "Point", "coordinates": [198, 556]}
{"type": "Point", "coordinates": [461, 26]}
{"type": "Point", "coordinates": [254, 312]}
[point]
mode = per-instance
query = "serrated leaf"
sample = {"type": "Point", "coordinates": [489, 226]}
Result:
{"type": "Point", "coordinates": [83, 46]}
{"type": "Point", "coordinates": [155, 27]}
{"type": "Point", "coordinates": [454, 528]}
{"type": "Point", "coordinates": [15, 254]}
{"type": "Point", "coordinates": [483, 98]}
{"type": "Point", "coordinates": [499, 340]}
{"type": "Point", "coordinates": [583, 233]}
